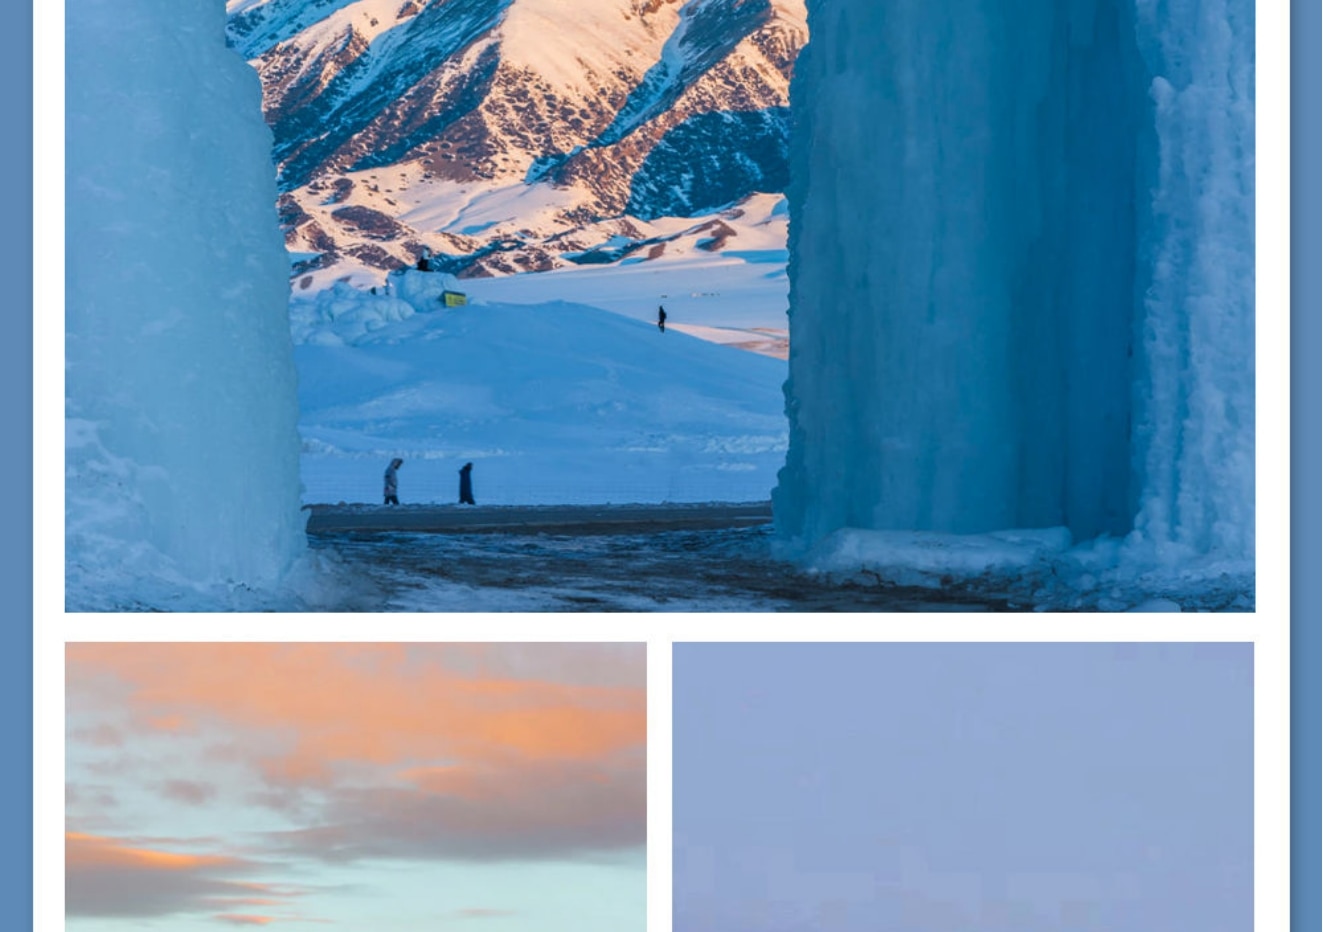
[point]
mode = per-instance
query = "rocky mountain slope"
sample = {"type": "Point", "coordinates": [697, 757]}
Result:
{"type": "Point", "coordinates": [516, 135]}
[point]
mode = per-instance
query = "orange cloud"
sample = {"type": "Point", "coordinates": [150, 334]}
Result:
{"type": "Point", "coordinates": [107, 877]}
{"type": "Point", "coordinates": [424, 751]}
{"type": "Point", "coordinates": [89, 851]}
{"type": "Point", "coordinates": [449, 781]}
{"type": "Point", "coordinates": [244, 919]}
{"type": "Point", "coordinates": [378, 704]}
{"type": "Point", "coordinates": [239, 919]}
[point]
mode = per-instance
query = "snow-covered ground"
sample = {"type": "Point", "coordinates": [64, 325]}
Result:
{"type": "Point", "coordinates": [553, 402]}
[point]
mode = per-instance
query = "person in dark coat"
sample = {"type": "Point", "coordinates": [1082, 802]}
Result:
{"type": "Point", "coordinates": [466, 485]}
{"type": "Point", "coordinates": [393, 481]}
{"type": "Point", "coordinates": [425, 260]}
{"type": "Point", "coordinates": [661, 318]}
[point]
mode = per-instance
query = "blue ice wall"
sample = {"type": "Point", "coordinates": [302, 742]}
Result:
{"type": "Point", "coordinates": [1004, 293]}
{"type": "Point", "coordinates": [181, 401]}
{"type": "Point", "coordinates": [1193, 441]}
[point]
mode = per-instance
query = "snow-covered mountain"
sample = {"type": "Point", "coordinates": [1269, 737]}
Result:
{"type": "Point", "coordinates": [517, 134]}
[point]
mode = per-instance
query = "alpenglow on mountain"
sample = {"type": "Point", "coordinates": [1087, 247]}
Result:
{"type": "Point", "coordinates": [518, 135]}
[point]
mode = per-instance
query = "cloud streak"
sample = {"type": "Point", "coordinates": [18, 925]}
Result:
{"type": "Point", "coordinates": [108, 877]}
{"type": "Point", "coordinates": [239, 919]}
{"type": "Point", "coordinates": [484, 815]}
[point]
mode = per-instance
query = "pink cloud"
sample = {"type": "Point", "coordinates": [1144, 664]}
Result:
{"type": "Point", "coordinates": [244, 919]}
{"type": "Point", "coordinates": [379, 704]}
{"type": "Point", "coordinates": [419, 751]}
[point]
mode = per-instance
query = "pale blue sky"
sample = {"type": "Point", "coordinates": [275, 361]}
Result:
{"type": "Point", "coordinates": [970, 787]}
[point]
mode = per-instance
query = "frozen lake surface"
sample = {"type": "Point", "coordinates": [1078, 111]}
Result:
{"type": "Point", "coordinates": [728, 570]}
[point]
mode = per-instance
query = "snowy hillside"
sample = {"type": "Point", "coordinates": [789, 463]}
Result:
{"type": "Point", "coordinates": [518, 134]}
{"type": "Point", "coordinates": [723, 278]}
{"type": "Point", "coordinates": [553, 402]}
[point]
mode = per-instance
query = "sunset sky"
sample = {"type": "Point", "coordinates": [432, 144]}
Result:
{"type": "Point", "coordinates": [381, 788]}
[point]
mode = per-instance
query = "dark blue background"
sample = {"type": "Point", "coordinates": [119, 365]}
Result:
{"type": "Point", "coordinates": [16, 506]}
{"type": "Point", "coordinates": [1306, 472]}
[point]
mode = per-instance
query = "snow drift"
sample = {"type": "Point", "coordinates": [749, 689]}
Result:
{"type": "Point", "coordinates": [1022, 274]}
{"type": "Point", "coordinates": [182, 444]}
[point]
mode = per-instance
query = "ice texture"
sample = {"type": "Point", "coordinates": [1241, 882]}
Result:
{"type": "Point", "coordinates": [181, 403]}
{"type": "Point", "coordinates": [1022, 273]}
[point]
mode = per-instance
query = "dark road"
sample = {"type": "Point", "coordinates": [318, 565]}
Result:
{"type": "Point", "coordinates": [516, 519]}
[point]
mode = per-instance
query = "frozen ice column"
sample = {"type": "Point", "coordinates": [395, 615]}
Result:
{"type": "Point", "coordinates": [180, 397]}
{"type": "Point", "coordinates": [1194, 418]}
{"type": "Point", "coordinates": [1004, 311]}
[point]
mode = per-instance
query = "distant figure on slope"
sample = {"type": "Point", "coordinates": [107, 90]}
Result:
{"type": "Point", "coordinates": [661, 318]}
{"type": "Point", "coordinates": [425, 260]}
{"type": "Point", "coordinates": [466, 485]}
{"type": "Point", "coordinates": [393, 481]}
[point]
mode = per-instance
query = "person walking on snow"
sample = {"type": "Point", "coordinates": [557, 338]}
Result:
{"type": "Point", "coordinates": [425, 260]}
{"type": "Point", "coordinates": [466, 485]}
{"type": "Point", "coordinates": [661, 318]}
{"type": "Point", "coordinates": [393, 481]}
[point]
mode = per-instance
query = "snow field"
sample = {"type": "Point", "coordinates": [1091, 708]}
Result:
{"type": "Point", "coordinates": [554, 403]}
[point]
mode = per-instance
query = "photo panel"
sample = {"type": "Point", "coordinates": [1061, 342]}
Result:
{"type": "Point", "coordinates": [1011, 787]}
{"type": "Point", "coordinates": [644, 306]}
{"type": "Point", "coordinates": [373, 787]}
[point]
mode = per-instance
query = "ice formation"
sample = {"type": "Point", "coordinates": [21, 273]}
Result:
{"type": "Point", "coordinates": [182, 445]}
{"type": "Point", "coordinates": [1022, 273]}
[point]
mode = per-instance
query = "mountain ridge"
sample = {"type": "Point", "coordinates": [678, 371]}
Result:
{"type": "Point", "coordinates": [585, 120]}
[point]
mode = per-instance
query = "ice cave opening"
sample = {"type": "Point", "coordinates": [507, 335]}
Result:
{"type": "Point", "coordinates": [1022, 280]}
